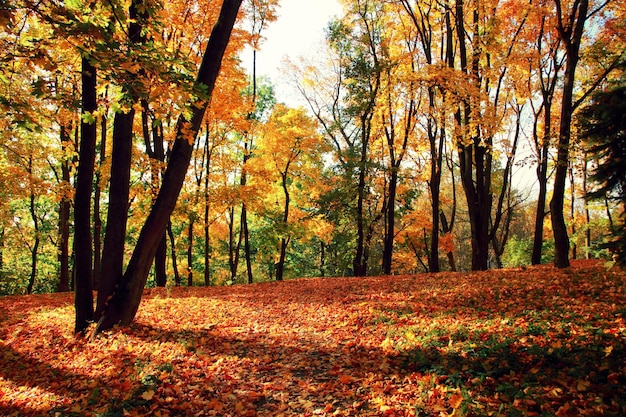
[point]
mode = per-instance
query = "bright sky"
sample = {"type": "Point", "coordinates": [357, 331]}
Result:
{"type": "Point", "coordinates": [298, 31]}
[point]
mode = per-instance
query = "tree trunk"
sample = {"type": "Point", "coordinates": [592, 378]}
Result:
{"type": "Point", "coordinates": [34, 250]}
{"type": "Point", "coordinates": [207, 206]}
{"type": "Point", "coordinates": [587, 211]}
{"type": "Point", "coordinates": [246, 242]}
{"type": "Point", "coordinates": [170, 233]}
{"type": "Point", "coordinates": [207, 241]}
{"type": "Point", "coordinates": [390, 228]}
{"type": "Point", "coordinates": [573, 210]}
{"type": "Point", "coordinates": [160, 259]}
{"type": "Point", "coordinates": [284, 241]}
{"type": "Point", "coordinates": [97, 218]}
{"type": "Point", "coordinates": [65, 206]}
{"type": "Point", "coordinates": [436, 163]}
{"type": "Point", "coordinates": [571, 37]}
{"type": "Point", "coordinates": [113, 251]}
{"type": "Point", "coordinates": [360, 262]}
{"type": "Point", "coordinates": [474, 154]}
{"type": "Point", "coordinates": [542, 180]}
{"type": "Point", "coordinates": [190, 251]}
{"type": "Point", "coordinates": [243, 224]}
{"type": "Point", "coordinates": [153, 140]}
{"type": "Point", "coordinates": [125, 301]}
{"type": "Point", "coordinates": [83, 297]}
{"type": "Point", "coordinates": [233, 249]}
{"type": "Point", "coordinates": [119, 188]}
{"type": "Point", "coordinates": [322, 259]}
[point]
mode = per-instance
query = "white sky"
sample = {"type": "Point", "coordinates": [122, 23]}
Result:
{"type": "Point", "coordinates": [298, 31]}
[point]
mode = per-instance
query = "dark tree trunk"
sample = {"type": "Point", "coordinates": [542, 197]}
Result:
{"type": "Point", "coordinates": [549, 79]}
{"type": "Point", "coordinates": [119, 184]}
{"type": "Point", "coordinates": [360, 258]}
{"type": "Point", "coordinates": [571, 36]}
{"type": "Point", "coordinates": [207, 238]}
{"type": "Point", "coordinates": [243, 226]}
{"type": "Point", "coordinates": [192, 221]}
{"type": "Point", "coordinates": [2, 252]}
{"type": "Point", "coordinates": [153, 140]}
{"type": "Point", "coordinates": [65, 206]}
{"type": "Point", "coordinates": [478, 201]}
{"type": "Point", "coordinates": [233, 248]}
{"type": "Point", "coordinates": [246, 243]}
{"type": "Point", "coordinates": [207, 206]}
{"type": "Point", "coordinates": [573, 210]}
{"type": "Point", "coordinates": [322, 259]}
{"type": "Point", "coordinates": [34, 250]}
{"type": "Point", "coordinates": [170, 233]}
{"type": "Point", "coordinates": [97, 218]}
{"type": "Point", "coordinates": [436, 163]}
{"type": "Point", "coordinates": [587, 211]}
{"type": "Point", "coordinates": [390, 223]}
{"type": "Point", "coordinates": [542, 180]}
{"type": "Point", "coordinates": [160, 258]}
{"type": "Point", "coordinates": [113, 251]}
{"type": "Point", "coordinates": [474, 155]}
{"type": "Point", "coordinates": [83, 297]}
{"type": "Point", "coordinates": [284, 241]}
{"type": "Point", "coordinates": [125, 301]}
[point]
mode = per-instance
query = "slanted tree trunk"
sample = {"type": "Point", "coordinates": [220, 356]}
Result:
{"type": "Point", "coordinates": [83, 297]}
{"type": "Point", "coordinates": [124, 302]}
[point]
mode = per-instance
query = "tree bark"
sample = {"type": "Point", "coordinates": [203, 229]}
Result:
{"type": "Point", "coordinates": [542, 145]}
{"type": "Point", "coordinates": [34, 250]}
{"type": "Point", "coordinates": [97, 218]}
{"type": "Point", "coordinates": [119, 189]}
{"type": "Point", "coordinates": [153, 140]}
{"type": "Point", "coordinates": [571, 36]}
{"type": "Point", "coordinates": [192, 221]}
{"type": "Point", "coordinates": [65, 206]}
{"type": "Point", "coordinates": [124, 303]}
{"type": "Point", "coordinates": [284, 241]}
{"type": "Point", "coordinates": [112, 266]}
{"type": "Point", "coordinates": [170, 233]}
{"type": "Point", "coordinates": [83, 297]}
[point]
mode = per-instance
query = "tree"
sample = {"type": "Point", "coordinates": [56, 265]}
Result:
{"type": "Point", "coordinates": [603, 129]}
{"type": "Point", "coordinates": [131, 81]}
{"type": "Point", "coordinates": [290, 139]}
{"type": "Point", "coordinates": [570, 26]}
{"type": "Point", "coordinates": [82, 200]}
{"type": "Point", "coordinates": [122, 303]}
{"type": "Point", "coordinates": [548, 67]}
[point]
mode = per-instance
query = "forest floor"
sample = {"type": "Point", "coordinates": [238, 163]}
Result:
{"type": "Point", "coordinates": [518, 342]}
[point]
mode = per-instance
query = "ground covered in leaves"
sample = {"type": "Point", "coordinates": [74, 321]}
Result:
{"type": "Point", "coordinates": [537, 341]}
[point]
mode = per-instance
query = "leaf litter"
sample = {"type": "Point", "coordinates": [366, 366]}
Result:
{"type": "Point", "coordinates": [530, 342]}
